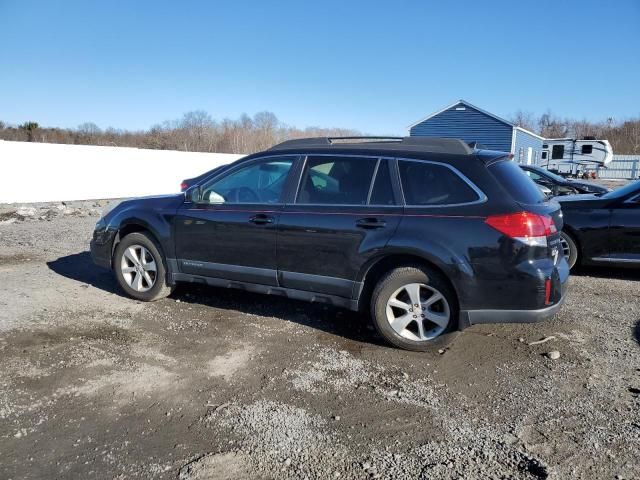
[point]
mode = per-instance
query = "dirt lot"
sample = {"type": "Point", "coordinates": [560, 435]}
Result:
{"type": "Point", "coordinates": [215, 384]}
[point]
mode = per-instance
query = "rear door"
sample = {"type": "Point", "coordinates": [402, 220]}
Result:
{"type": "Point", "coordinates": [231, 232]}
{"type": "Point", "coordinates": [344, 211]}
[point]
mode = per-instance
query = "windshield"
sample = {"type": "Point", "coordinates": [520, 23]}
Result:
{"type": "Point", "coordinates": [547, 173]}
{"type": "Point", "coordinates": [557, 178]}
{"type": "Point", "coordinates": [623, 191]}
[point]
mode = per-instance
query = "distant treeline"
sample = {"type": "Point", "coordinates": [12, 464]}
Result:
{"type": "Point", "coordinates": [194, 132]}
{"type": "Point", "coordinates": [198, 132]}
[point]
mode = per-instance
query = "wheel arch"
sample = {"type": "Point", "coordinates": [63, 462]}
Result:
{"type": "Point", "coordinates": [135, 225]}
{"type": "Point", "coordinates": [371, 273]}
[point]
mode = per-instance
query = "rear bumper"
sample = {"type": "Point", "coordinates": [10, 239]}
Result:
{"type": "Point", "coordinates": [475, 317]}
{"type": "Point", "coordinates": [560, 280]}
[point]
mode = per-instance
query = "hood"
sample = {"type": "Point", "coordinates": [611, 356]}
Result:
{"type": "Point", "coordinates": [156, 202]}
{"type": "Point", "coordinates": [576, 198]}
{"type": "Point", "coordinates": [591, 187]}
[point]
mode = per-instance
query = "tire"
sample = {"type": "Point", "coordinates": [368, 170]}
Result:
{"type": "Point", "coordinates": [130, 269]}
{"type": "Point", "coordinates": [569, 249]}
{"type": "Point", "coordinates": [393, 290]}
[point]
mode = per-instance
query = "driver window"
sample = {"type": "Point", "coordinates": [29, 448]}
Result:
{"type": "Point", "coordinates": [257, 183]}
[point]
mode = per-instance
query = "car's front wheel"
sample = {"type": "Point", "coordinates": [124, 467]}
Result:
{"type": "Point", "coordinates": [140, 269]}
{"type": "Point", "coordinates": [414, 308]}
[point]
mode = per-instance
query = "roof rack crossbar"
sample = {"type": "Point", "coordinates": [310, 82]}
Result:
{"type": "Point", "coordinates": [432, 144]}
{"type": "Point", "coordinates": [363, 139]}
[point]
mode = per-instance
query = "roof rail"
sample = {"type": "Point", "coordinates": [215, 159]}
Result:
{"type": "Point", "coordinates": [430, 144]}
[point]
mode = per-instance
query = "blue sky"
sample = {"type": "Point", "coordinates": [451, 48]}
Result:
{"type": "Point", "coordinates": [374, 66]}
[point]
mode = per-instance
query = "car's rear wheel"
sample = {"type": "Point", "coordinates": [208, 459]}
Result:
{"type": "Point", "coordinates": [569, 249]}
{"type": "Point", "coordinates": [140, 268]}
{"type": "Point", "coordinates": [414, 308]}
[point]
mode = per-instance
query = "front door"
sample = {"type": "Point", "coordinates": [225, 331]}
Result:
{"type": "Point", "coordinates": [624, 231]}
{"type": "Point", "coordinates": [344, 213]}
{"type": "Point", "coordinates": [231, 232]}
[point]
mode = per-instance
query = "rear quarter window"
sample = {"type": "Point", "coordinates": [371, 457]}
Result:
{"type": "Point", "coordinates": [519, 185]}
{"type": "Point", "coordinates": [425, 183]}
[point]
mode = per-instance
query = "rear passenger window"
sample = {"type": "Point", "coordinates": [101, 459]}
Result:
{"type": "Point", "coordinates": [336, 180]}
{"type": "Point", "coordinates": [426, 183]}
{"type": "Point", "coordinates": [382, 192]}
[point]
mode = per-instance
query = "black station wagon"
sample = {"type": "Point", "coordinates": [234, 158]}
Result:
{"type": "Point", "coordinates": [427, 235]}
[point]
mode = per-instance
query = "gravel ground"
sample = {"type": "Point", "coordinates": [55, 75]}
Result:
{"type": "Point", "coordinates": [220, 384]}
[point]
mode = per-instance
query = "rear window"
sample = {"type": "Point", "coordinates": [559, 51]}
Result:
{"type": "Point", "coordinates": [516, 182]}
{"type": "Point", "coordinates": [329, 180]}
{"type": "Point", "coordinates": [382, 191]}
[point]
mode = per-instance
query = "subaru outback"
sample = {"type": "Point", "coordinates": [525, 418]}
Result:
{"type": "Point", "coordinates": [427, 235]}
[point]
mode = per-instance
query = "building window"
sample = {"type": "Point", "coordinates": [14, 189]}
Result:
{"type": "Point", "coordinates": [544, 155]}
{"type": "Point", "coordinates": [521, 155]}
{"type": "Point", "coordinates": [535, 157]}
{"type": "Point", "coordinates": [557, 153]}
{"type": "Point", "coordinates": [587, 149]}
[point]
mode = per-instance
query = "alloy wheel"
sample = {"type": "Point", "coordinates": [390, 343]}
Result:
{"type": "Point", "coordinates": [418, 312]}
{"type": "Point", "coordinates": [566, 248]}
{"type": "Point", "coordinates": [138, 268]}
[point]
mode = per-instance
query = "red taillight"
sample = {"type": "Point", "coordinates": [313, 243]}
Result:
{"type": "Point", "coordinates": [530, 228]}
{"type": "Point", "coordinates": [547, 291]}
{"type": "Point", "coordinates": [184, 186]}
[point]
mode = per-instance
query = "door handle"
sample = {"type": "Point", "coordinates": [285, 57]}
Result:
{"type": "Point", "coordinates": [261, 219]}
{"type": "Point", "coordinates": [371, 223]}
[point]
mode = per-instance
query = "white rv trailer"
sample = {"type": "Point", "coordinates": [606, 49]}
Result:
{"type": "Point", "coordinates": [568, 156]}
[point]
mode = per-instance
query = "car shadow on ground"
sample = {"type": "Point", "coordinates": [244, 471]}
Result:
{"type": "Point", "coordinates": [81, 268]}
{"type": "Point", "coordinates": [336, 321]}
{"type": "Point", "coordinates": [607, 272]}
{"type": "Point", "coordinates": [636, 332]}
{"type": "Point", "coordinates": [333, 320]}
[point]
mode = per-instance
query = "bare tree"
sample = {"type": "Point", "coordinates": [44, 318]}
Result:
{"type": "Point", "coordinates": [198, 131]}
{"type": "Point", "coordinates": [550, 126]}
{"type": "Point", "coordinates": [525, 120]}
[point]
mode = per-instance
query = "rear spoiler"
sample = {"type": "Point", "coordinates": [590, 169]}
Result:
{"type": "Point", "coordinates": [490, 157]}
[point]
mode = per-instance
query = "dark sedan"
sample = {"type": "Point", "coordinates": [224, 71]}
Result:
{"type": "Point", "coordinates": [602, 230]}
{"type": "Point", "coordinates": [559, 185]}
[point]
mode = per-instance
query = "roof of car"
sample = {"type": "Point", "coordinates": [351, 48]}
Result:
{"type": "Point", "coordinates": [449, 146]}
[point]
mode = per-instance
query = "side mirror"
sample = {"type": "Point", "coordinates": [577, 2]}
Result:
{"type": "Point", "coordinates": [545, 191]}
{"type": "Point", "coordinates": [193, 195]}
{"type": "Point", "coordinates": [633, 201]}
